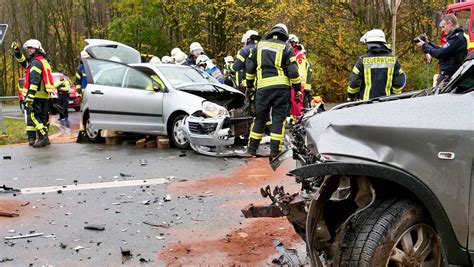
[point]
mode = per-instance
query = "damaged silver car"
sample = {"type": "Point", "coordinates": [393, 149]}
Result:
{"type": "Point", "coordinates": [385, 182]}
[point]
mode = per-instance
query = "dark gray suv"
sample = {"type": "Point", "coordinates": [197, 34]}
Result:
{"type": "Point", "coordinates": [385, 182]}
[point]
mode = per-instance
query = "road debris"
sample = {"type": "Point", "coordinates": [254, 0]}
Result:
{"type": "Point", "coordinates": [62, 245]}
{"type": "Point", "coordinates": [94, 227]}
{"type": "Point", "coordinates": [6, 259]}
{"type": "Point", "coordinates": [144, 260]}
{"type": "Point", "coordinates": [23, 236]}
{"type": "Point", "coordinates": [167, 198]}
{"type": "Point", "coordinates": [287, 257]}
{"type": "Point", "coordinates": [7, 157]}
{"type": "Point", "coordinates": [78, 248]}
{"type": "Point", "coordinates": [160, 237]}
{"type": "Point", "coordinates": [8, 214]}
{"type": "Point", "coordinates": [182, 154]}
{"type": "Point", "coordinates": [7, 189]}
{"type": "Point", "coordinates": [126, 254]}
{"type": "Point", "coordinates": [25, 204]}
{"type": "Point", "coordinates": [157, 225]}
{"type": "Point", "coordinates": [142, 162]}
{"type": "Point", "coordinates": [125, 175]}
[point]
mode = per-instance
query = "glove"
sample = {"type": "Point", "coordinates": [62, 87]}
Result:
{"type": "Point", "coordinates": [15, 46]}
{"type": "Point", "coordinates": [249, 93]}
{"type": "Point", "coordinates": [28, 101]}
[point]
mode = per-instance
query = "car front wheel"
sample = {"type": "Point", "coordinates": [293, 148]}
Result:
{"type": "Point", "coordinates": [391, 233]}
{"type": "Point", "coordinates": [92, 134]}
{"type": "Point", "coordinates": [177, 133]}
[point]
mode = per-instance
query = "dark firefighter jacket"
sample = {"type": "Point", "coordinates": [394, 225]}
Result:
{"type": "Point", "coordinates": [451, 55]}
{"type": "Point", "coordinates": [241, 60]}
{"type": "Point", "coordinates": [273, 63]}
{"type": "Point", "coordinates": [37, 71]}
{"type": "Point", "coordinates": [377, 73]}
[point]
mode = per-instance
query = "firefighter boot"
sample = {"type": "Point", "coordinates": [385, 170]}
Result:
{"type": "Point", "coordinates": [251, 149]}
{"type": "Point", "coordinates": [274, 149]}
{"type": "Point", "coordinates": [31, 140]}
{"type": "Point", "coordinates": [42, 141]}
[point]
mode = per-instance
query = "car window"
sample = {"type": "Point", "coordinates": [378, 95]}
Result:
{"type": "Point", "coordinates": [115, 53]}
{"type": "Point", "coordinates": [137, 80]}
{"type": "Point", "coordinates": [466, 82]}
{"type": "Point", "coordinates": [105, 72]}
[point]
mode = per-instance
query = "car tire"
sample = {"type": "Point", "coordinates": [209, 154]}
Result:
{"type": "Point", "coordinates": [92, 134]}
{"type": "Point", "coordinates": [391, 233]}
{"type": "Point", "coordinates": [76, 108]}
{"type": "Point", "coordinates": [176, 135]}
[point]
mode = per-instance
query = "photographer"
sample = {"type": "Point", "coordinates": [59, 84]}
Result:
{"type": "Point", "coordinates": [451, 55]}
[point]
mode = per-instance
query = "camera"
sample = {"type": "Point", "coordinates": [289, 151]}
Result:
{"type": "Point", "coordinates": [422, 37]}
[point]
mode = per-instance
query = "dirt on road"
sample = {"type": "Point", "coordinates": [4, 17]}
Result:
{"type": "Point", "coordinates": [246, 241]}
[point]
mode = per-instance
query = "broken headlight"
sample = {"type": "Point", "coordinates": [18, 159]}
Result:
{"type": "Point", "coordinates": [213, 110]}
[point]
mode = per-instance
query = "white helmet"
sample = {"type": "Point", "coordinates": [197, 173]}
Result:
{"type": "Point", "coordinates": [84, 54]}
{"type": "Point", "coordinates": [293, 38]}
{"type": "Point", "coordinates": [195, 46]}
{"type": "Point", "coordinates": [202, 59]}
{"type": "Point", "coordinates": [375, 35]}
{"type": "Point", "coordinates": [166, 59]}
{"type": "Point", "coordinates": [281, 25]}
{"type": "Point", "coordinates": [246, 36]}
{"type": "Point", "coordinates": [180, 58]}
{"type": "Point", "coordinates": [155, 60]}
{"type": "Point", "coordinates": [228, 59]}
{"type": "Point", "coordinates": [175, 51]}
{"type": "Point", "coordinates": [33, 43]}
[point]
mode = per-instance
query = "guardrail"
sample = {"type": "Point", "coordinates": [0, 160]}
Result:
{"type": "Point", "coordinates": [2, 122]}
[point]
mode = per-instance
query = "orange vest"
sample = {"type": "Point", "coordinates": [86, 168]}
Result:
{"type": "Point", "coordinates": [46, 72]}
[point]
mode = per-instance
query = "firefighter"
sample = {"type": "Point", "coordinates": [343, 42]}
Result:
{"type": "Point", "coordinates": [451, 55]}
{"type": "Point", "coordinates": [304, 68]}
{"type": "Point", "coordinates": [63, 86]}
{"type": "Point", "coordinates": [273, 64]}
{"type": "Point", "coordinates": [81, 76]}
{"type": "Point", "coordinates": [195, 50]}
{"type": "Point", "coordinates": [249, 39]}
{"type": "Point", "coordinates": [378, 72]}
{"type": "Point", "coordinates": [39, 82]}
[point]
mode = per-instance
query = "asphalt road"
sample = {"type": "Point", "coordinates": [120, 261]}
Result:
{"type": "Point", "coordinates": [194, 201]}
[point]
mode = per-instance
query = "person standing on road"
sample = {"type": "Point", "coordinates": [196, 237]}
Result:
{"type": "Point", "coordinates": [273, 65]}
{"type": "Point", "coordinates": [451, 55]}
{"type": "Point", "coordinates": [39, 82]}
{"type": "Point", "coordinates": [304, 68]}
{"type": "Point", "coordinates": [63, 86]}
{"type": "Point", "coordinates": [378, 72]}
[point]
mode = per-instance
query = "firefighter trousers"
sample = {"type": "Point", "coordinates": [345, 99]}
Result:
{"type": "Point", "coordinates": [39, 116]}
{"type": "Point", "coordinates": [64, 103]}
{"type": "Point", "coordinates": [276, 101]}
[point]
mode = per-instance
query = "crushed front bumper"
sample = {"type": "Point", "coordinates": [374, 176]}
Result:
{"type": "Point", "coordinates": [216, 136]}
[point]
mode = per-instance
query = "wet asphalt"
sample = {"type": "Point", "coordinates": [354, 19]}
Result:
{"type": "Point", "coordinates": [61, 216]}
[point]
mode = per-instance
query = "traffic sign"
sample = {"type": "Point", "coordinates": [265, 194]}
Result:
{"type": "Point", "coordinates": [3, 31]}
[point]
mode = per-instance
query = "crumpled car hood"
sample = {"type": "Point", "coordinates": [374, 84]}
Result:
{"type": "Point", "coordinates": [402, 133]}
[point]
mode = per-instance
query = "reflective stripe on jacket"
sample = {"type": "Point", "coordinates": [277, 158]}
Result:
{"type": "Point", "coordinates": [273, 65]}
{"type": "Point", "coordinates": [39, 78]}
{"type": "Point", "coordinates": [377, 73]}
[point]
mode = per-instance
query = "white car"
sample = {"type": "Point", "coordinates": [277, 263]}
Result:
{"type": "Point", "coordinates": [147, 98]}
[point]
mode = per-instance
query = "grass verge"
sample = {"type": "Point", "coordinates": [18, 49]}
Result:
{"type": "Point", "coordinates": [15, 128]}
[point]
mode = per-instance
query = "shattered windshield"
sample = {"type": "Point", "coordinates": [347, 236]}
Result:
{"type": "Point", "coordinates": [179, 77]}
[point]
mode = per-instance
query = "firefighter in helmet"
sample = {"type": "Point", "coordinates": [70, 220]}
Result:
{"type": "Point", "coordinates": [39, 82]}
{"type": "Point", "coordinates": [273, 64]}
{"type": "Point", "coordinates": [378, 72]}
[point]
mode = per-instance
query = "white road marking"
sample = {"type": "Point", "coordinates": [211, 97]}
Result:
{"type": "Point", "coordinates": [74, 187]}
